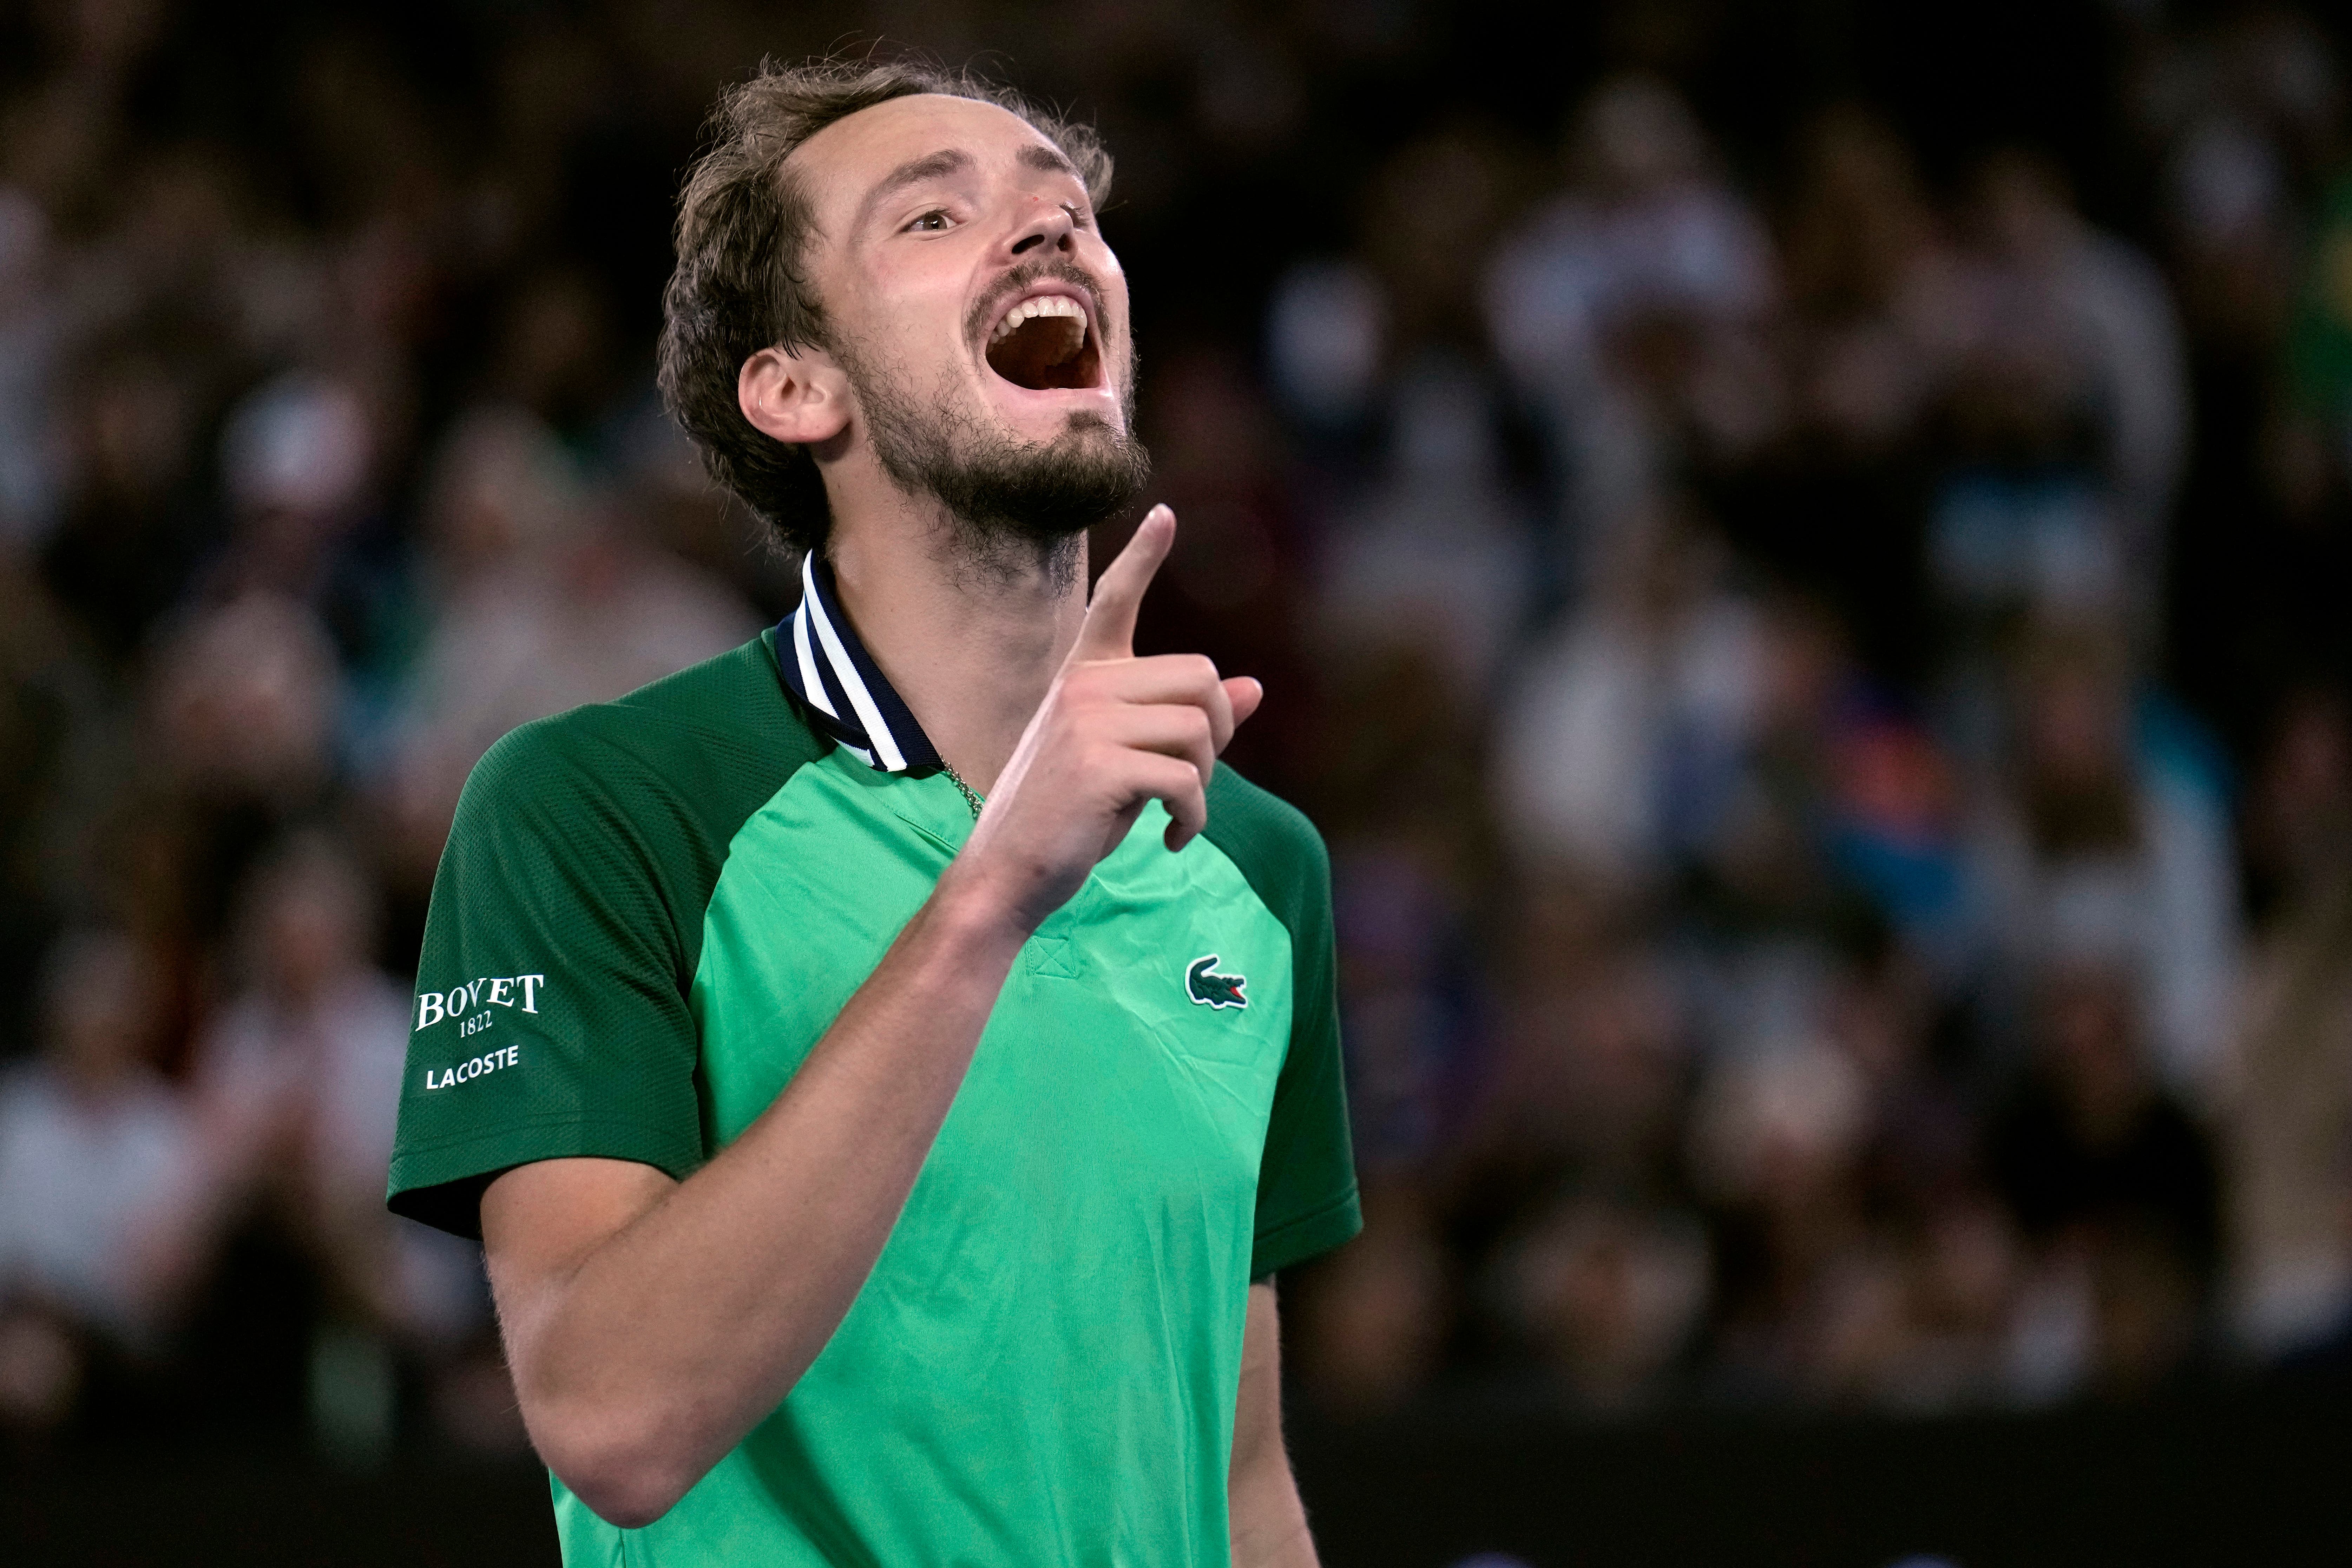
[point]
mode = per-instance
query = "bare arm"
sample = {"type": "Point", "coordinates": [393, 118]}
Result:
{"type": "Point", "coordinates": [651, 1324]}
{"type": "Point", "coordinates": [1269, 1523]}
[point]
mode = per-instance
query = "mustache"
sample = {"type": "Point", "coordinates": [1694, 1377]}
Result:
{"type": "Point", "coordinates": [1061, 269]}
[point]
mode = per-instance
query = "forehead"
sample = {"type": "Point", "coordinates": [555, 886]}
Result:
{"type": "Point", "coordinates": [842, 163]}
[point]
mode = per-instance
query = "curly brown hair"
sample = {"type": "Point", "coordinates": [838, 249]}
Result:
{"type": "Point", "coordinates": [743, 223]}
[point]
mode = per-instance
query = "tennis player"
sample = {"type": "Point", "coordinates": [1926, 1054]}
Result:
{"type": "Point", "coordinates": [888, 1064]}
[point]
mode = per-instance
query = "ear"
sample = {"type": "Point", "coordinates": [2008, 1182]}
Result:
{"type": "Point", "coordinates": [800, 397]}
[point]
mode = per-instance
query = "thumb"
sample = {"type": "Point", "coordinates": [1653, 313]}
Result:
{"type": "Point", "coordinates": [1110, 629]}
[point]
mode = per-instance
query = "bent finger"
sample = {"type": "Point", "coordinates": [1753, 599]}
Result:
{"type": "Point", "coordinates": [1171, 729]}
{"type": "Point", "coordinates": [1242, 694]}
{"type": "Point", "coordinates": [1175, 784]}
{"type": "Point", "coordinates": [1171, 677]}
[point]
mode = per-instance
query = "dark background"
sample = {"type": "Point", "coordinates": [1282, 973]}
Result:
{"type": "Point", "coordinates": [1908, 1112]}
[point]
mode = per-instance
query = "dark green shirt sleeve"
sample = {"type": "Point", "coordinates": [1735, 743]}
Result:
{"type": "Point", "coordinates": [550, 1017]}
{"type": "Point", "coordinates": [1306, 1198]}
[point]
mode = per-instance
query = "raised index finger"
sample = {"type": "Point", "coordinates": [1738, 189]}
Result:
{"type": "Point", "coordinates": [1110, 629]}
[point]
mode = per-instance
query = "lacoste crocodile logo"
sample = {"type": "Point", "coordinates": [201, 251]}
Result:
{"type": "Point", "coordinates": [1210, 989]}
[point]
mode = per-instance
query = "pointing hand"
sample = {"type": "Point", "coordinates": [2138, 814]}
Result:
{"type": "Point", "coordinates": [1114, 733]}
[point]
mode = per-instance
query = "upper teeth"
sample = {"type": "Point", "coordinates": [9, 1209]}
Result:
{"type": "Point", "coordinates": [1042, 305]}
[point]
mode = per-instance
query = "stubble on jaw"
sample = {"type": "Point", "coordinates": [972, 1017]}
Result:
{"type": "Point", "coordinates": [1005, 511]}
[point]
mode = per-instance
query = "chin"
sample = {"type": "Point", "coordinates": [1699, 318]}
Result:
{"type": "Point", "coordinates": [1057, 416]}
{"type": "Point", "coordinates": [1014, 462]}
{"type": "Point", "coordinates": [1087, 427]}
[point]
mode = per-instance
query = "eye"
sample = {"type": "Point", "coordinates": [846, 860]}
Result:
{"type": "Point", "coordinates": [935, 221]}
{"type": "Point", "coordinates": [1078, 215]}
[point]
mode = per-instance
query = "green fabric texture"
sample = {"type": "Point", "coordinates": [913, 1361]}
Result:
{"type": "Point", "coordinates": [1300, 1212]}
{"type": "Point", "coordinates": [1043, 1366]}
{"type": "Point", "coordinates": [585, 850]}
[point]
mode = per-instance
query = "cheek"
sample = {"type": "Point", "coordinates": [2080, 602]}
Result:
{"type": "Point", "coordinates": [1104, 266]}
{"type": "Point", "coordinates": [910, 310]}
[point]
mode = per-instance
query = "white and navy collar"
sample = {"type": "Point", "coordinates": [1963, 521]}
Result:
{"type": "Point", "coordinates": [840, 687]}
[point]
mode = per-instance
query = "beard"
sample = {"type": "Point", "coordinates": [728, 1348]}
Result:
{"type": "Point", "coordinates": [1008, 504]}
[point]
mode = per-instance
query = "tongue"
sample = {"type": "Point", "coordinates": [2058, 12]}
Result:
{"type": "Point", "coordinates": [1031, 353]}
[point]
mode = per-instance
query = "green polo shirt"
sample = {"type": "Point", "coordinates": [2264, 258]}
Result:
{"type": "Point", "coordinates": [649, 913]}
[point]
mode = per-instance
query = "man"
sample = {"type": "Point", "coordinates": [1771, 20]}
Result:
{"type": "Point", "coordinates": [888, 1064]}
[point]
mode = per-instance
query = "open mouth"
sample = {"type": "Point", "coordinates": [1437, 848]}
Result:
{"type": "Point", "coordinates": [1046, 343]}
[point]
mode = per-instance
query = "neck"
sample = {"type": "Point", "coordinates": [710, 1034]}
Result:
{"type": "Point", "coordinates": [970, 636]}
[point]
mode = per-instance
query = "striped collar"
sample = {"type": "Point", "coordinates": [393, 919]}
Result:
{"type": "Point", "coordinates": [842, 690]}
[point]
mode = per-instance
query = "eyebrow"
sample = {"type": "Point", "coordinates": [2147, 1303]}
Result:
{"type": "Point", "coordinates": [1038, 155]}
{"type": "Point", "coordinates": [915, 172]}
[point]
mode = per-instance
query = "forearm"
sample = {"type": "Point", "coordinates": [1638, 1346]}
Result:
{"type": "Point", "coordinates": [1268, 1522]}
{"type": "Point", "coordinates": [687, 1325]}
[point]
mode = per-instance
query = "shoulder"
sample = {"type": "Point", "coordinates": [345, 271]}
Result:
{"type": "Point", "coordinates": [711, 734]}
{"type": "Point", "coordinates": [1271, 843]}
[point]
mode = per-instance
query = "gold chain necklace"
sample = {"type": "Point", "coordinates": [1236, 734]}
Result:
{"type": "Point", "coordinates": [970, 798]}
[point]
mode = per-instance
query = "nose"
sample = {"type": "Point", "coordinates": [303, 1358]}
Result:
{"type": "Point", "coordinates": [1045, 227]}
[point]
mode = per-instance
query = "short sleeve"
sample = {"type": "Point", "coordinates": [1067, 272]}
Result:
{"type": "Point", "coordinates": [550, 1017]}
{"type": "Point", "coordinates": [1307, 1196]}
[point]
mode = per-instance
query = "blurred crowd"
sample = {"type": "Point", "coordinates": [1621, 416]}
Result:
{"type": "Point", "coordinates": [1818, 666]}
